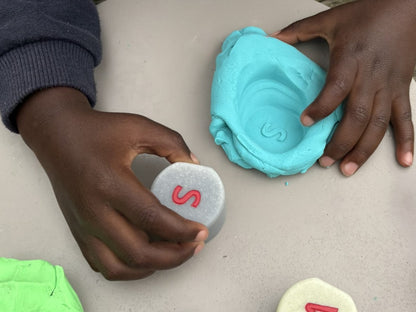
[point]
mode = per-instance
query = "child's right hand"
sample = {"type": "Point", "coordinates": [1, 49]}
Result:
{"type": "Point", "coordinates": [87, 155]}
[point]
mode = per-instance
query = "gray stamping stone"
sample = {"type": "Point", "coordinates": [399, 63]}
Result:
{"type": "Point", "coordinates": [193, 191]}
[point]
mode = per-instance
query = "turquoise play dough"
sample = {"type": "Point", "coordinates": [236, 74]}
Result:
{"type": "Point", "coordinates": [35, 286]}
{"type": "Point", "coordinates": [260, 88]}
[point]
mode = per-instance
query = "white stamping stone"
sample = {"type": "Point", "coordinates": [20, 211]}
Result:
{"type": "Point", "coordinates": [315, 295]}
{"type": "Point", "coordinates": [193, 191]}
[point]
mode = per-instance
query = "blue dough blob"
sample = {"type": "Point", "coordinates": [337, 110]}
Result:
{"type": "Point", "coordinates": [260, 88]}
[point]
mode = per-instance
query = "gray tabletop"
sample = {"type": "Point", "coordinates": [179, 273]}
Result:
{"type": "Point", "coordinates": [159, 57]}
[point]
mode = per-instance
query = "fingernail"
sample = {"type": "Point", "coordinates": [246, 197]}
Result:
{"type": "Point", "coordinates": [349, 169]}
{"type": "Point", "coordinates": [408, 159]}
{"type": "Point", "coordinates": [194, 159]}
{"type": "Point", "coordinates": [275, 33]}
{"type": "Point", "coordinates": [307, 121]}
{"type": "Point", "coordinates": [198, 248]}
{"type": "Point", "coordinates": [326, 161]}
{"type": "Point", "coordinates": [201, 236]}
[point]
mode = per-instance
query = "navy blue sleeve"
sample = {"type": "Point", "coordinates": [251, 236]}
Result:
{"type": "Point", "coordinates": [46, 44]}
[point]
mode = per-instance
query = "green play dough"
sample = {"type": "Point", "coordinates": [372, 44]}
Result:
{"type": "Point", "coordinates": [35, 286]}
{"type": "Point", "coordinates": [260, 88]}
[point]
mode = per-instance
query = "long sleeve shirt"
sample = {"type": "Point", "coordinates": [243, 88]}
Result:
{"type": "Point", "coordinates": [46, 44]}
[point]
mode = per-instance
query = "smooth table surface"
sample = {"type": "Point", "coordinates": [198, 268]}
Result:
{"type": "Point", "coordinates": [356, 233]}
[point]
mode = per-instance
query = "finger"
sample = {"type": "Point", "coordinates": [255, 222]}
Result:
{"type": "Point", "coordinates": [79, 235]}
{"type": "Point", "coordinates": [144, 210]}
{"type": "Point", "coordinates": [132, 245]}
{"type": "Point", "coordinates": [85, 250]}
{"type": "Point", "coordinates": [152, 137]}
{"type": "Point", "coordinates": [401, 119]}
{"type": "Point", "coordinates": [339, 81]}
{"type": "Point", "coordinates": [302, 30]}
{"type": "Point", "coordinates": [372, 136]}
{"type": "Point", "coordinates": [356, 117]}
{"type": "Point", "coordinates": [106, 262]}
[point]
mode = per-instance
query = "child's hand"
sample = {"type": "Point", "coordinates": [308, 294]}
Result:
{"type": "Point", "coordinates": [87, 155]}
{"type": "Point", "coordinates": [372, 57]}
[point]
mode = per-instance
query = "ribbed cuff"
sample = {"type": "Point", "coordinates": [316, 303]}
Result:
{"type": "Point", "coordinates": [42, 65]}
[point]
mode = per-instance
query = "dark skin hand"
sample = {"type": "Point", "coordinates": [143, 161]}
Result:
{"type": "Point", "coordinates": [372, 57]}
{"type": "Point", "coordinates": [87, 155]}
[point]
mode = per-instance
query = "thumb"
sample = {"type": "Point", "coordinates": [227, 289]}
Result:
{"type": "Point", "coordinates": [302, 30]}
{"type": "Point", "coordinates": [153, 138]}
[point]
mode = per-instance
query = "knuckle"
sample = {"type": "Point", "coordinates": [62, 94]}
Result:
{"type": "Point", "coordinates": [380, 121]}
{"type": "Point", "coordinates": [137, 259]}
{"type": "Point", "coordinates": [359, 47]}
{"type": "Point", "coordinates": [184, 232]}
{"type": "Point", "coordinates": [360, 114]}
{"type": "Point", "coordinates": [323, 109]}
{"type": "Point", "coordinates": [106, 186]}
{"type": "Point", "coordinates": [406, 137]}
{"type": "Point", "coordinates": [361, 155]}
{"type": "Point", "coordinates": [112, 273]}
{"type": "Point", "coordinates": [177, 139]}
{"type": "Point", "coordinates": [102, 179]}
{"type": "Point", "coordinates": [147, 216]}
{"type": "Point", "coordinates": [92, 217]}
{"type": "Point", "coordinates": [376, 65]}
{"type": "Point", "coordinates": [338, 85]}
{"type": "Point", "coordinates": [406, 116]}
